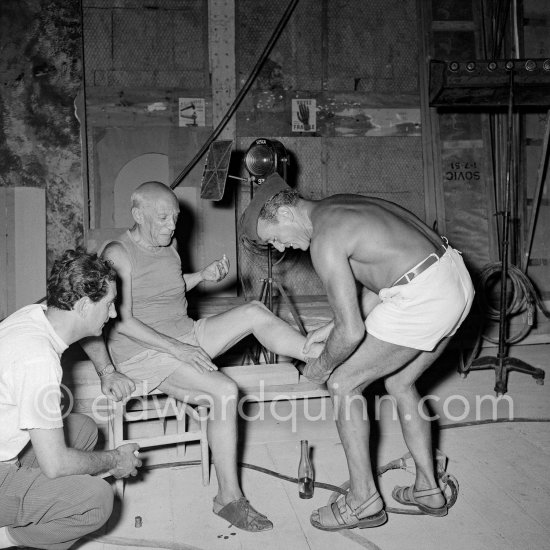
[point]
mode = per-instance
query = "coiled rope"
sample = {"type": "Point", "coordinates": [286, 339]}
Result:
{"type": "Point", "coordinates": [523, 297]}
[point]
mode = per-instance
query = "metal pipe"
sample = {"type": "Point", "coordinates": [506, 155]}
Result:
{"type": "Point", "coordinates": [506, 227]}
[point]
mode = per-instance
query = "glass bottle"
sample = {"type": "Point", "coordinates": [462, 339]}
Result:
{"type": "Point", "coordinates": [305, 472]}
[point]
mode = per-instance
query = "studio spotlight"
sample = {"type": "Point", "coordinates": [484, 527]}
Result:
{"type": "Point", "coordinates": [265, 157]}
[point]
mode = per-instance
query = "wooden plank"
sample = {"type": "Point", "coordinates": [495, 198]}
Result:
{"type": "Point", "coordinates": [119, 106]}
{"type": "Point", "coordinates": [221, 38]}
{"type": "Point", "coordinates": [23, 249]}
{"type": "Point", "coordinates": [253, 376]}
{"type": "Point", "coordinates": [6, 276]}
{"type": "Point", "coordinates": [339, 114]}
{"type": "Point", "coordinates": [304, 389]}
{"type": "Point", "coordinates": [433, 190]}
{"type": "Point", "coordinates": [10, 282]}
{"type": "Point", "coordinates": [217, 218]}
{"type": "Point", "coordinates": [273, 382]}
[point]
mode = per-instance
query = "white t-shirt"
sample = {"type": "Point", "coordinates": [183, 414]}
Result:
{"type": "Point", "coordinates": [30, 378]}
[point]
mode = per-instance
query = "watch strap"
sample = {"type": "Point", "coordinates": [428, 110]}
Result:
{"type": "Point", "coordinates": [108, 369]}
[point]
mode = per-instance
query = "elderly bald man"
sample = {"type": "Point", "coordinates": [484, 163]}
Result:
{"type": "Point", "coordinates": [155, 341]}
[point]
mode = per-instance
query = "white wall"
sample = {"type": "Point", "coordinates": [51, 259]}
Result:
{"type": "Point", "coordinates": [22, 247]}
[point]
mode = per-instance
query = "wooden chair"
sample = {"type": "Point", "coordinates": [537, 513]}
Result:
{"type": "Point", "coordinates": [157, 405]}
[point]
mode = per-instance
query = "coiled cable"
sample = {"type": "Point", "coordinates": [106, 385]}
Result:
{"type": "Point", "coordinates": [524, 297]}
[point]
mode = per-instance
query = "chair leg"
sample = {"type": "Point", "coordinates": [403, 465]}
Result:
{"type": "Point", "coordinates": [181, 428]}
{"type": "Point", "coordinates": [111, 426]}
{"type": "Point", "coordinates": [116, 437]}
{"type": "Point", "coordinates": [205, 451]}
{"type": "Point", "coordinates": [119, 489]}
{"type": "Point", "coordinates": [200, 414]}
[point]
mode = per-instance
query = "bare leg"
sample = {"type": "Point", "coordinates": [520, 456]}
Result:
{"type": "Point", "coordinates": [415, 426]}
{"type": "Point", "coordinates": [226, 329]}
{"type": "Point", "coordinates": [220, 393]}
{"type": "Point", "coordinates": [372, 360]}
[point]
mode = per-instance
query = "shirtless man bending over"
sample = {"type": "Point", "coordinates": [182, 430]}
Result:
{"type": "Point", "coordinates": [416, 292]}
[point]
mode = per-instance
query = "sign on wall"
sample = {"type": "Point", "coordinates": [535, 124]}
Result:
{"type": "Point", "coordinates": [304, 115]}
{"type": "Point", "coordinates": [191, 111]}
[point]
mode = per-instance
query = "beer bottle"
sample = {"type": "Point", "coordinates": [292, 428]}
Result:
{"type": "Point", "coordinates": [305, 472]}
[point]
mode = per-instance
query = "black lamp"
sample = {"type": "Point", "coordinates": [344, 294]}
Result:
{"type": "Point", "coordinates": [265, 157]}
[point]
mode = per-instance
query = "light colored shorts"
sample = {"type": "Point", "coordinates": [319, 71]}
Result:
{"type": "Point", "coordinates": [151, 367]}
{"type": "Point", "coordinates": [430, 307]}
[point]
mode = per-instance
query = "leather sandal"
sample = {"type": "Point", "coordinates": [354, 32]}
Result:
{"type": "Point", "coordinates": [408, 496]}
{"type": "Point", "coordinates": [241, 514]}
{"type": "Point", "coordinates": [340, 515]}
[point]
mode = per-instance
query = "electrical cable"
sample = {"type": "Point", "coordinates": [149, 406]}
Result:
{"type": "Point", "coordinates": [240, 96]}
{"type": "Point", "coordinates": [524, 297]}
{"type": "Point", "coordinates": [489, 421]}
{"type": "Point", "coordinates": [335, 488]}
{"type": "Point", "coordinates": [502, 24]}
{"type": "Point", "coordinates": [448, 480]}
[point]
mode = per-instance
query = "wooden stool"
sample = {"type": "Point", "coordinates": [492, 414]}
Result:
{"type": "Point", "coordinates": [169, 407]}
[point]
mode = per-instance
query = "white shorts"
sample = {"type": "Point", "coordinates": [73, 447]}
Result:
{"type": "Point", "coordinates": [430, 307]}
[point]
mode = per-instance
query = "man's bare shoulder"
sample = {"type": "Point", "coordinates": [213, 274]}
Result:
{"type": "Point", "coordinates": [335, 225]}
{"type": "Point", "coordinates": [341, 213]}
{"type": "Point", "coordinates": [117, 255]}
{"type": "Point", "coordinates": [351, 225]}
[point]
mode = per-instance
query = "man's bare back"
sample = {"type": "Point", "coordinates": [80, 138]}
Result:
{"type": "Point", "coordinates": [380, 239]}
{"type": "Point", "coordinates": [356, 239]}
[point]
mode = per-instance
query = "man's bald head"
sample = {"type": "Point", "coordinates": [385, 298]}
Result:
{"type": "Point", "coordinates": [150, 192]}
{"type": "Point", "coordinates": [155, 209]}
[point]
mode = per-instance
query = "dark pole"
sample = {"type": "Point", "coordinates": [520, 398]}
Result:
{"type": "Point", "coordinates": [506, 228]}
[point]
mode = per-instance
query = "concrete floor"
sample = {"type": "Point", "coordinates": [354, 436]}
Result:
{"type": "Point", "coordinates": [504, 495]}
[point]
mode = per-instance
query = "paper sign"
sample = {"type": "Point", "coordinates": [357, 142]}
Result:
{"type": "Point", "coordinates": [191, 111]}
{"type": "Point", "coordinates": [304, 115]}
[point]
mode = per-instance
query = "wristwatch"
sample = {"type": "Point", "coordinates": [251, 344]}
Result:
{"type": "Point", "coordinates": [109, 369]}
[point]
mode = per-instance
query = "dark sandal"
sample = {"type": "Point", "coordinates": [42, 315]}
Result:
{"type": "Point", "coordinates": [408, 496]}
{"type": "Point", "coordinates": [339, 515]}
{"type": "Point", "coordinates": [241, 514]}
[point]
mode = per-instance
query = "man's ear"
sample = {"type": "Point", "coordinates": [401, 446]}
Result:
{"type": "Point", "coordinates": [137, 214]}
{"type": "Point", "coordinates": [285, 213]}
{"type": "Point", "coordinates": [81, 306]}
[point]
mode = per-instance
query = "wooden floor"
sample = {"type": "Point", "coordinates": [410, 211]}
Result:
{"type": "Point", "coordinates": [502, 470]}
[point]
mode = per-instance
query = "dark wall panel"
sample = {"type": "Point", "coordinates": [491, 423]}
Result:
{"type": "Point", "coordinates": [40, 75]}
{"type": "Point", "coordinates": [359, 61]}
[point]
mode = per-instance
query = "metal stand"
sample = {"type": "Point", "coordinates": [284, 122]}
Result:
{"type": "Point", "coordinates": [502, 364]}
{"type": "Point", "coordinates": [266, 297]}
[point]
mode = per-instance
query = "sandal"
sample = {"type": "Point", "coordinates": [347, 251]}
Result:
{"type": "Point", "coordinates": [408, 496]}
{"type": "Point", "coordinates": [241, 514]}
{"type": "Point", "coordinates": [340, 515]}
